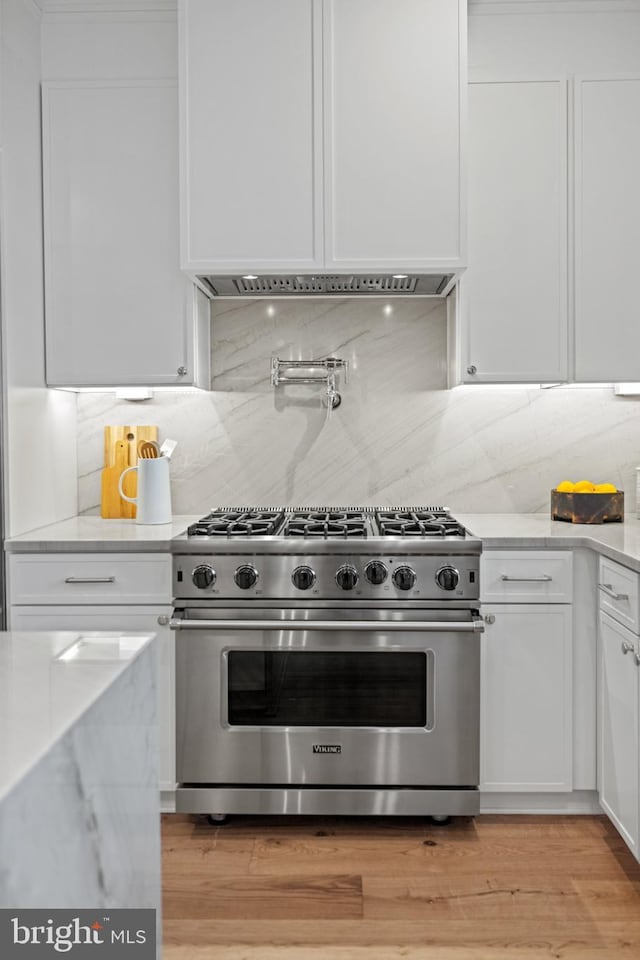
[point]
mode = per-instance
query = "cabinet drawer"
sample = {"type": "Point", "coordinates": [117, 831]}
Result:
{"type": "Point", "coordinates": [618, 593]}
{"type": "Point", "coordinates": [89, 578]}
{"type": "Point", "coordinates": [523, 576]}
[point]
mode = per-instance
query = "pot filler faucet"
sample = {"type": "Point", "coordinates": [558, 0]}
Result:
{"type": "Point", "coordinates": [311, 371]}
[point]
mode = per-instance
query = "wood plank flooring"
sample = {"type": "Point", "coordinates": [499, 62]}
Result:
{"type": "Point", "coordinates": [311, 888]}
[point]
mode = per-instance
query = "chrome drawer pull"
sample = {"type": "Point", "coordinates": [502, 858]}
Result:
{"type": "Point", "coordinates": [545, 578]}
{"type": "Point", "coordinates": [89, 579]}
{"type": "Point", "coordinates": [373, 626]}
{"type": "Point", "coordinates": [610, 592]}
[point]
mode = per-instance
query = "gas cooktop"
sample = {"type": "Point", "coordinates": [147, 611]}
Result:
{"type": "Point", "coordinates": [395, 554]}
{"type": "Point", "coordinates": [323, 523]}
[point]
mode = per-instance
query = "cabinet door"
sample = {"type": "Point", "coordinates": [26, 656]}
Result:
{"type": "Point", "coordinates": [607, 332]}
{"type": "Point", "coordinates": [619, 593]}
{"type": "Point", "coordinates": [515, 289]}
{"type": "Point", "coordinates": [146, 619]}
{"type": "Point", "coordinates": [618, 756]}
{"type": "Point", "coordinates": [115, 297]}
{"type": "Point", "coordinates": [392, 81]}
{"type": "Point", "coordinates": [250, 135]}
{"type": "Point", "coordinates": [526, 699]}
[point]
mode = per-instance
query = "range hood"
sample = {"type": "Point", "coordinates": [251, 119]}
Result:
{"type": "Point", "coordinates": [329, 285]}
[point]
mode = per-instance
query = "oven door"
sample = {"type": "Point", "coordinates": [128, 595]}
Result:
{"type": "Point", "coordinates": [327, 697]}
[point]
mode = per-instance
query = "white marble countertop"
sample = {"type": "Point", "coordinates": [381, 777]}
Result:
{"type": "Point", "coordinates": [94, 533]}
{"type": "Point", "coordinates": [42, 697]}
{"type": "Point", "coordinates": [618, 541]}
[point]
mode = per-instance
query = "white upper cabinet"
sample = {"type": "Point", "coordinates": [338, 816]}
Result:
{"type": "Point", "coordinates": [392, 88]}
{"type": "Point", "coordinates": [251, 161]}
{"type": "Point", "coordinates": [118, 309]}
{"type": "Point", "coordinates": [321, 134]}
{"type": "Point", "coordinates": [514, 303]}
{"type": "Point", "coordinates": [607, 327]}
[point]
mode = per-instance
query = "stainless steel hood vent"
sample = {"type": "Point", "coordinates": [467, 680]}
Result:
{"type": "Point", "coordinates": [329, 285]}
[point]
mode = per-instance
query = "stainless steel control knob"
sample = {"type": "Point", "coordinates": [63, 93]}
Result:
{"type": "Point", "coordinates": [303, 577]}
{"type": "Point", "coordinates": [347, 577]}
{"type": "Point", "coordinates": [203, 576]}
{"type": "Point", "coordinates": [376, 572]}
{"type": "Point", "coordinates": [404, 578]}
{"type": "Point", "coordinates": [245, 576]}
{"type": "Point", "coordinates": [447, 578]}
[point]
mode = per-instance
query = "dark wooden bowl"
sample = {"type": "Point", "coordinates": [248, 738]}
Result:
{"type": "Point", "coordinates": [587, 507]}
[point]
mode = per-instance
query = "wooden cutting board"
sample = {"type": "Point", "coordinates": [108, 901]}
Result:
{"type": "Point", "coordinates": [112, 504]}
{"type": "Point", "coordinates": [120, 452]}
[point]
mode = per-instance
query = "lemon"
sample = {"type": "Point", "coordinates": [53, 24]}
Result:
{"type": "Point", "coordinates": [565, 487]}
{"type": "Point", "coordinates": [584, 486]}
{"type": "Point", "coordinates": [605, 488]}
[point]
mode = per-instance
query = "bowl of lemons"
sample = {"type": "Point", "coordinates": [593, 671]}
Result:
{"type": "Point", "coordinates": [587, 502]}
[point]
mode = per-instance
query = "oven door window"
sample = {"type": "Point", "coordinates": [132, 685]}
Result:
{"type": "Point", "coordinates": [318, 689]}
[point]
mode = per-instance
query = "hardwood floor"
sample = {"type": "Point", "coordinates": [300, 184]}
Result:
{"type": "Point", "coordinates": [490, 888]}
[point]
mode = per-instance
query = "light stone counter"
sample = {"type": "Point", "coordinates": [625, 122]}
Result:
{"type": "Point", "coordinates": [618, 541]}
{"type": "Point", "coordinates": [90, 534]}
{"type": "Point", "coordinates": [43, 696]}
{"type": "Point", "coordinates": [79, 799]}
{"type": "Point", "coordinates": [511, 531]}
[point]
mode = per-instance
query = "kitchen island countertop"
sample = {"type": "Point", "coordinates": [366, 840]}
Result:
{"type": "Point", "coordinates": [42, 696]}
{"type": "Point", "coordinates": [79, 798]}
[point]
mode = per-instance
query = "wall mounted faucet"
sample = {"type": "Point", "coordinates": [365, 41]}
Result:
{"type": "Point", "coordinates": [311, 371]}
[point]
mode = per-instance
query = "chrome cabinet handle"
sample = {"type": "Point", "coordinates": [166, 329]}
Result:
{"type": "Point", "coordinates": [545, 578]}
{"type": "Point", "coordinates": [610, 592]}
{"type": "Point", "coordinates": [89, 579]}
{"type": "Point", "coordinates": [627, 647]}
{"type": "Point", "coordinates": [163, 619]}
{"type": "Point", "coordinates": [372, 626]}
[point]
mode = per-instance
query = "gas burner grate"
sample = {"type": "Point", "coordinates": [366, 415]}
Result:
{"type": "Point", "coordinates": [418, 523]}
{"type": "Point", "coordinates": [237, 523]}
{"type": "Point", "coordinates": [326, 524]}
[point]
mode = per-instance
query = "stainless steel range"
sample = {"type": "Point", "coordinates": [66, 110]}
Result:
{"type": "Point", "coordinates": [327, 661]}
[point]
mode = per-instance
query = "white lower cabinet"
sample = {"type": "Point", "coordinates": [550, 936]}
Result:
{"type": "Point", "coordinates": [526, 703]}
{"type": "Point", "coordinates": [526, 698]}
{"type": "Point", "coordinates": [618, 731]}
{"type": "Point", "coordinates": [67, 573]}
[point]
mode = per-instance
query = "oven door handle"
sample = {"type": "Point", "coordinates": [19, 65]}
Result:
{"type": "Point", "coordinates": [378, 626]}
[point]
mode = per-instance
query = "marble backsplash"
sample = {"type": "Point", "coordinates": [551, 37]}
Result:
{"type": "Point", "coordinates": [398, 437]}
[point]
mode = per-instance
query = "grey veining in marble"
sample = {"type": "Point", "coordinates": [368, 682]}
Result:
{"type": "Point", "coordinates": [82, 827]}
{"type": "Point", "coordinates": [398, 437]}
